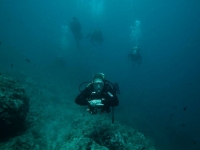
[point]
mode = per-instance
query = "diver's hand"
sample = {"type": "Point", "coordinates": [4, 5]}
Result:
{"type": "Point", "coordinates": [96, 103]}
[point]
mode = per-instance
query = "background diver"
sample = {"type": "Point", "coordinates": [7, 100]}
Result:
{"type": "Point", "coordinates": [100, 94]}
{"type": "Point", "coordinates": [135, 55]}
{"type": "Point", "coordinates": [96, 38]}
{"type": "Point", "coordinates": [75, 28]}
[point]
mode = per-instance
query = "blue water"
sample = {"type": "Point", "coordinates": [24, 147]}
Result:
{"type": "Point", "coordinates": [154, 94]}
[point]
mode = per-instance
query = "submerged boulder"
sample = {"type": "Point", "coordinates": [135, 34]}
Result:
{"type": "Point", "coordinates": [14, 105]}
{"type": "Point", "coordinates": [97, 132]}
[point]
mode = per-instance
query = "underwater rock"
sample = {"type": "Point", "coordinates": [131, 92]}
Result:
{"type": "Point", "coordinates": [100, 133]}
{"type": "Point", "coordinates": [14, 105]}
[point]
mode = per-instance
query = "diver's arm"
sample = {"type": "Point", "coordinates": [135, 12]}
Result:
{"type": "Point", "coordinates": [113, 101]}
{"type": "Point", "coordinates": [129, 56]}
{"type": "Point", "coordinates": [111, 98]}
{"type": "Point", "coordinates": [81, 99]}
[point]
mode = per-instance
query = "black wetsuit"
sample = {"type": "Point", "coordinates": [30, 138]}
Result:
{"type": "Point", "coordinates": [97, 37]}
{"type": "Point", "coordinates": [108, 94]}
{"type": "Point", "coordinates": [75, 27]}
{"type": "Point", "coordinates": [135, 57]}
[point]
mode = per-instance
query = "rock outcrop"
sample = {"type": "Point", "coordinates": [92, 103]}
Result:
{"type": "Point", "coordinates": [14, 106]}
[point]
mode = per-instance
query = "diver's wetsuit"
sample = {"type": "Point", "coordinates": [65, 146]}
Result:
{"type": "Point", "coordinates": [108, 97]}
{"type": "Point", "coordinates": [135, 57]}
{"type": "Point", "coordinates": [75, 27]}
{"type": "Point", "coordinates": [97, 37]}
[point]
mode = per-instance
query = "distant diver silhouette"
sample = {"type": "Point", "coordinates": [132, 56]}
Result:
{"type": "Point", "coordinates": [75, 28]}
{"type": "Point", "coordinates": [96, 38]}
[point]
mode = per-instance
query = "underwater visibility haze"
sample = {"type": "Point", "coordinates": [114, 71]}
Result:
{"type": "Point", "coordinates": [159, 95]}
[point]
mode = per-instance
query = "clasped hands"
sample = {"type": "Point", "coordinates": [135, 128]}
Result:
{"type": "Point", "coordinates": [96, 103]}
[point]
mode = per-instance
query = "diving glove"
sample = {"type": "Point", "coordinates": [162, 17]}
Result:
{"type": "Point", "coordinates": [96, 103]}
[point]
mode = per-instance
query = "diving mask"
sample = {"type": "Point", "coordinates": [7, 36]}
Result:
{"type": "Point", "coordinates": [98, 85]}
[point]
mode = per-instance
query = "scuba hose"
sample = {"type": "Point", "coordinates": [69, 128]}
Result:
{"type": "Point", "coordinates": [113, 119]}
{"type": "Point", "coordinates": [82, 84]}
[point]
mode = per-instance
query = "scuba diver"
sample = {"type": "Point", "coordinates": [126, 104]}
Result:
{"type": "Point", "coordinates": [100, 94]}
{"type": "Point", "coordinates": [75, 27]}
{"type": "Point", "coordinates": [96, 38]}
{"type": "Point", "coordinates": [135, 55]}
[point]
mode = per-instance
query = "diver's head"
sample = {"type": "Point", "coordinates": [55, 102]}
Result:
{"type": "Point", "coordinates": [98, 82]}
{"type": "Point", "coordinates": [135, 49]}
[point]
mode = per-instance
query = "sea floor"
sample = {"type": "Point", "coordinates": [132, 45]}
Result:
{"type": "Point", "coordinates": [55, 122]}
